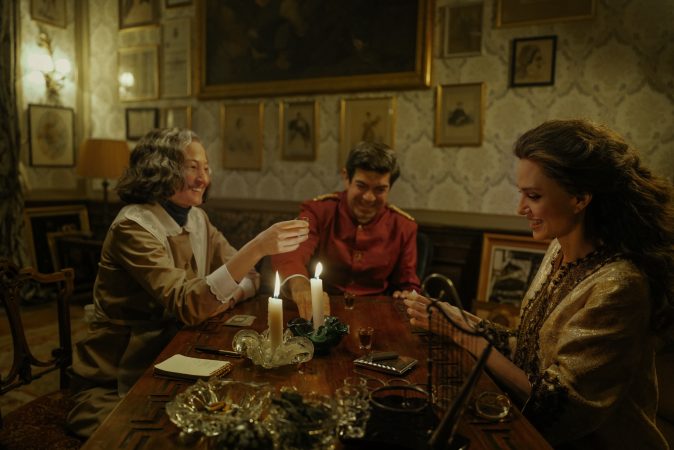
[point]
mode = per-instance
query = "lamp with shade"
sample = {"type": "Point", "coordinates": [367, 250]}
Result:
{"type": "Point", "coordinates": [103, 158]}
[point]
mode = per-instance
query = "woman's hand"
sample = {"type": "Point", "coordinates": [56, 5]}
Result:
{"type": "Point", "coordinates": [282, 237]}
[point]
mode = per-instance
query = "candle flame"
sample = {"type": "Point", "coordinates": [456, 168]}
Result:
{"type": "Point", "coordinates": [277, 286]}
{"type": "Point", "coordinates": [319, 269]}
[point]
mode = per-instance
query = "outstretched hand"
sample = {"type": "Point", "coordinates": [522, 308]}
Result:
{"type": "Point", "coordinates": [282, 237]}
{"type": "Point", "coordinates": [300, 292]}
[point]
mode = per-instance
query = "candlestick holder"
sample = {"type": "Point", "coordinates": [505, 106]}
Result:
{"type": "Point", "coordinates": [257, 347]}
{"type": "Point", "coordinates": [327, 336]}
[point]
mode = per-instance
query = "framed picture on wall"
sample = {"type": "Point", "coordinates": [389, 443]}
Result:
{"type": "Point", "coordinates": [511, 13]}
{"type": "Point", "coordinates": [462, 33]}
{"type": "Point", "coordinates": [459, 114]}
{"type": "Point", "coordinates": [177, 3]}
{"type": "Point", "coordinates": [176, 58]}
{"type": "Point", "coordinates": [139, 121]}
{"type": "Point", "coordinates": [176, 116]}
{"type": "Point", "coordinates": [533, 61]}
{"type": "Point", "coordinates": [134, 13]}
{"type": "Point", "coordinates": [241, 126]}
{"type": "Point", "coordinates": [249, 49]}
{"type": "Point", "coordinates": [51, 136]}
{"type": "Point", "coordinates": [40, 221]}
{"type": "Point", "coordinates": [508, 266]}
{"type": "Point", "coordinates": [137, 73]}
{"type": "Point", "coordinates": [298, 130]}
{"type": "Point", "coordinates": [365, 119]}
{"type": "Point", "coordinates": [52, 12]}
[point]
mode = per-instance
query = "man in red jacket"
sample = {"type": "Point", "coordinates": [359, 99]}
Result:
{"type": "Point", "coordinates": [365, 245]}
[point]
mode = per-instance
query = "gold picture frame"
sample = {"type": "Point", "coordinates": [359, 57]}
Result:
{"type": "Point", "coordinates": [42, 220]}
{"type": "Point", "coordinates": [459, 114]}
{"type": "Point", "coordinates": [176, 58]}
{"type": "Point", "coordinates": [507, 267]}
{"type": "Point", "coordinates": [51, 136]}
{"type": "Point", "coordinates": [137, 73]}
{"type": "Point", "coordinates": [242, 127]}
{"type": "Point", "coordinates": [176, 116]}
{"type": "Point", "coordinates": [335, 47]}
{"type": "Point", "coordinates": [365, 119]}
{"type": "Point", "coordinates": [139, 121]}
{"type": "Point", "coordinates": [52, 12]}
{"type": "Point", "coordinates": [298, 130]}
{"type": "Point", "coordinates": [136, 13]}
{"type": "Point", "coordinates": [462, 32]}
{"type": "Point", "coordinates": [513, 13]}
{"type": "Point", "coordinates": [532, 61]}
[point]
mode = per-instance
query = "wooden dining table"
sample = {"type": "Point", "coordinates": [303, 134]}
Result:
{"type": "Point", "coordinates": [140, 420]}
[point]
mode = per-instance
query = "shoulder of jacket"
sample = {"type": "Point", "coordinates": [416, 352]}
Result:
{"type": "Point", "coordinates": [401, 212]}
{"type": "Point", "coordinates": [320, 198]}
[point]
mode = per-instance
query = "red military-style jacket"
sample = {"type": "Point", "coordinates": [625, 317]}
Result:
{"type": "Point", "coordinates": [375, 258]}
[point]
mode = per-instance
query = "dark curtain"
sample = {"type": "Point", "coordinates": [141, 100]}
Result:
{"type": "Point", "coordinates": [11, 196]}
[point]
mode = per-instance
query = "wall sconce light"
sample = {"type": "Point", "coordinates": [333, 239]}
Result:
{"type": "Point", "coordinates": [54, 71]}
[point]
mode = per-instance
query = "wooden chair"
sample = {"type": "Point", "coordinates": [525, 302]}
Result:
{"type": "Point", "coordinates": [41, 422]}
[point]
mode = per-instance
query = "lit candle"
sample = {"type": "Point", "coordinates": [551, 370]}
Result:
{"type": "Point", "coordinates": [275, 317]}
{"type": "Point", "coordinates": [317, 297]}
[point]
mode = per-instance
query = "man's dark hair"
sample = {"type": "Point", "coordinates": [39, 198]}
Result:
{"type": "Point", "coordinates": [373, 157]}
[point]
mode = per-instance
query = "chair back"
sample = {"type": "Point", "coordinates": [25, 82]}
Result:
{"type": "Point", "coordinates": [440, 287]}
{"type": "Point", "coordinates": [424, 254]}
{"type": "Point", "coordinates": [25, 367]}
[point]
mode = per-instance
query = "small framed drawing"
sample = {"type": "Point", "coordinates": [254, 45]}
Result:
{"type": "Point", "coordinates": [139, 121]}
{"type": "Point", "coordinates": [177, 3]}
{"type": "Point", "coordinates": [507, 267]}
{"type": "Point", "coordinates": [176, 58]}
{"type": "Point", "coordinates": [463, 30]}
{"type": "Point", "coordinates": [512, 13]}
{"type": "Point", "coordinates": [52, 12]}
{"type": "Point", "coordinates": [533, 61]}
{"type": "Point", "coordinates": [40, 221]}
{"type": "Point", "coordinates": [134, 13]}
{"type": "Point", "coordinates": [51, 131]}
{"type": "Point", "coordinates": [137, 73]}
{"type": "Point", "coordinates": [459, 114]}
{"type": "Point", "coordinates": [298, 130]}
{"type": "Point", "coordinates": [241, 126]}
{"type": "Point", "coordinates": [176, 116]}
{"type": "Point", "coordinates": [365, 119]}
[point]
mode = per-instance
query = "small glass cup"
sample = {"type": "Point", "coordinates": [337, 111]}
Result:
{"type": "Point", "coordinates": [365, 338]}
{"type": "Point", "coordinates": [349, 300]}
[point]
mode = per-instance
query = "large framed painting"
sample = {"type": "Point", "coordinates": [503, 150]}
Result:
{"type": "Point", "coordinates": [51, 136]}
{"type": "Point", "coordinates": [241, 126]}
{"type": "Point", "coordinates": [298, 130]}
{"type": "Point", "coordinates": [365, 119]}
{"type": "Point", "coordinates": [137, 73]}
{"type": "Point", "coordinates": [459, 114]}
{"type": "Point", "coordinates": [462, 33]}
{"type": "Point", "coordinates": [43, 220]}
{"type": "Point", "coordinates": [52, 12]}
{"type": "Point", "coordinates": [512, 13]}
{"type": "Point", "coordinates": [275, 48]}
{"type": "Point", "coordinates": [508, 266]}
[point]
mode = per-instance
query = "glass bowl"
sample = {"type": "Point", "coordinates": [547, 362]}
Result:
{"type": "Point", "coordinates": [327, 336]}
{"type": "Point", "coordinates": [214, 406]}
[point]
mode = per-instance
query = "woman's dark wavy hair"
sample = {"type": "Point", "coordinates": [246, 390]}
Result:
{"type": "Point", "coordinates": [156, 164]}
{"type": "Point", "coordinates": [631, 209]}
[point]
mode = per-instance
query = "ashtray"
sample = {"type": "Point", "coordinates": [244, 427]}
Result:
{"type": "Point", "coordinates": [327, 336]}
{"type": "Point", "coordinates": [257, 347]}
{"type": "Point", "coordinates": [213, 407]}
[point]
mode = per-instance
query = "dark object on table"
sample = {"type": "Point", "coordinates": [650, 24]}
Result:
{"type": "Point", "coordinates": [328, 335]}
{"type": "Point", "coordinates": [248, 435]}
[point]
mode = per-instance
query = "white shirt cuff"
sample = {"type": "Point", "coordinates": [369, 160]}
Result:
{"type": "Point", "coordinates": [222, 284]}
{"type": "Point", "coordinates": [248, 287]}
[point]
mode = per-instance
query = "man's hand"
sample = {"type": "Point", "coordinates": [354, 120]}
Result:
{"type": "Point", "coordinates": [300, 292]}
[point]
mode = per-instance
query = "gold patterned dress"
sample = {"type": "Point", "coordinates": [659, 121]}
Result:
{"type": "Point", "coordinates": [585, 343]}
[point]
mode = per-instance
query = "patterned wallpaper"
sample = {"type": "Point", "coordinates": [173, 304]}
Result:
{"type": "Point", "coordinates": [617, 69]}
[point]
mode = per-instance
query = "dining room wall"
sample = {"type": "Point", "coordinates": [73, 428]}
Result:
{"type": "Point", "coordinates": [617, 68]}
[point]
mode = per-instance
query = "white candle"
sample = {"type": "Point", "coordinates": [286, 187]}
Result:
{"type": "Point", "coordinates": [275, 317]}
{"type": "Point", "coordinates": [317, 297]}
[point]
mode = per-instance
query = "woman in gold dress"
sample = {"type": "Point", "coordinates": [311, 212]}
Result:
{"type": "Point", "coordinates": [582, 359]}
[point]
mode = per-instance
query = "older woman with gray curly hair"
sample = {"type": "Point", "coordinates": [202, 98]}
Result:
{"type": "Point", "coordinates": [163, 264]}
